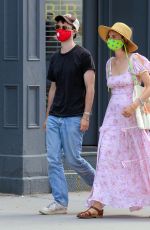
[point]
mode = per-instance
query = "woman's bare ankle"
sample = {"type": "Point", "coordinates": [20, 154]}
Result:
{"type": "Point", "coordinates": [98, 205]}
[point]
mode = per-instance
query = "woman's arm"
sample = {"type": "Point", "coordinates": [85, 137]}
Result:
{"type": "Point", "coordinates": [145, 78]}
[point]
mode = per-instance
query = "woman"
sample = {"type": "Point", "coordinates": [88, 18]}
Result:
{"type": "Point", "coordinates": [122, 177]}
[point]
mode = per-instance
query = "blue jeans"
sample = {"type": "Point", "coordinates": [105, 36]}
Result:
{"type": "Point", "coordinates": [64, 138]}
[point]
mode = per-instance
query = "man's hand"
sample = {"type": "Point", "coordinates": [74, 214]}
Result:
{"type": "Point", "coordinates": [44, 124]}
{"type": "Point", "coordinates": [84, 125]}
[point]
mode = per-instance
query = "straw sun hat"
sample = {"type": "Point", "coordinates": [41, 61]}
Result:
{"type": "Point", "coordinates": [123, 30]}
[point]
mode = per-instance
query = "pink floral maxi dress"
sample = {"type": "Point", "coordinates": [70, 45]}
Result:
{"type": "Point", "coordinates": [122, 177]}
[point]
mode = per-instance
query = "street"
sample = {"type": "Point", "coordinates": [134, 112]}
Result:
{"type": "Point", "coordinates": [21, 213]}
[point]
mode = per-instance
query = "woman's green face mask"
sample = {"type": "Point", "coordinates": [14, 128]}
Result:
{"type": "Point", "coordinates": [114, 44]}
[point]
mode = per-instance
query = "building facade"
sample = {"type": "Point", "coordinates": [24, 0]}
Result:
{"type": "Point", "coordinates": [27, 41]}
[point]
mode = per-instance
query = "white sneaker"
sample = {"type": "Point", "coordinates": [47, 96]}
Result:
{"type": "Point", "coordinates": [53, 208]}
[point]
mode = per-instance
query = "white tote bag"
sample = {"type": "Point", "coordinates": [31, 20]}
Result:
{"type": "Point", "coordinates": [143, 111]}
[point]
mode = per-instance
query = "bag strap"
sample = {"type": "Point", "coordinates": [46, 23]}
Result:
{"type": "Point", "coordinates": [134, 78]}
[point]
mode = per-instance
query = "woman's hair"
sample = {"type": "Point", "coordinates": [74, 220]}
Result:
{"type": "Point", "coordinates": [125, 42]}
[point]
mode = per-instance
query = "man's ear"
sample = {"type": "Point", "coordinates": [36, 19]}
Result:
{"type": "Point", "coordinates": [74, 33]}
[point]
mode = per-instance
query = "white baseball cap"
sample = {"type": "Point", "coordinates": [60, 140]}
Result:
{"type": "Point", "coordinates": [70, 19]}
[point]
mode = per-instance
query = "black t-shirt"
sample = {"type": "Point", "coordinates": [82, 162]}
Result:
{"type": "Point", "coordinates": [67, 71]}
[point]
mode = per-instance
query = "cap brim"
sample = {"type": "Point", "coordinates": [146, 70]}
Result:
{"type": "Point", "coordinates": [103, 33]}
{"type": "Point", "coordinates": [61, 17]}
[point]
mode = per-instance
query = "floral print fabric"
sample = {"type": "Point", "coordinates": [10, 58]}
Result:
{"type": "Point", "coordinates": [122, 177]}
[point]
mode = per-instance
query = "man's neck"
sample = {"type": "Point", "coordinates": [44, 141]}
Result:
{"type": "Point", "coordinates": [67, 46]}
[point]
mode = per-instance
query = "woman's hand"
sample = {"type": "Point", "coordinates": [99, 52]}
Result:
{"type": "Point", "coordinates": [128, 111]}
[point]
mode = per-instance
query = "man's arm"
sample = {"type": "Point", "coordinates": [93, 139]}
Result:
{"type": "Point", "coordinates": [51, 95]}
{"type": "Point", "coordinates": [89, 79]}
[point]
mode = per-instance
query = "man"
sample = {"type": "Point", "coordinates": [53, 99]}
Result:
{"type": "Point", "coordinates": [70, 99]}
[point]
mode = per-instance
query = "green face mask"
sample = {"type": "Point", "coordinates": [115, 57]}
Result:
{"type": "Point", "coordinates": [114, 44]}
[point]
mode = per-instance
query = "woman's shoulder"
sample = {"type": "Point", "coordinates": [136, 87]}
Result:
{"type": "Point", "coordinates": [140, 61]}
{"type": "Point", "coordinates": [109, 60]}
{"type": "Point", "coordinates": [108, 67]}
{"type": "Point", "coordinates": [139, 57]}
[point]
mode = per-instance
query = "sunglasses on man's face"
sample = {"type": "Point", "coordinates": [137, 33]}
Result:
{"type": "Point", "coordinates": [62, 27]}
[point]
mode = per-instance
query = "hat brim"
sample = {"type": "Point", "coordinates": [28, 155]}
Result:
{"type": "Point", "coordinates": [103, 33]}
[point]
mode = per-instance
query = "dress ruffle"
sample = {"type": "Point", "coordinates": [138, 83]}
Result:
{"type": "Point", "coordinates": [122, 177]}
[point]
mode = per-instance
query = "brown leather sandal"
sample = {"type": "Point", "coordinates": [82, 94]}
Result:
{"type": "Point", "coordinates": [88, 215]}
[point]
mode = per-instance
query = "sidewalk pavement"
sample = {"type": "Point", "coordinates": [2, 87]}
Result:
{"type": "Point", "coordinates": [21, 213]}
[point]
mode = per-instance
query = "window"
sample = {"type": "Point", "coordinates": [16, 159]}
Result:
{"type": "Point", "coordinates": [54, 8]}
